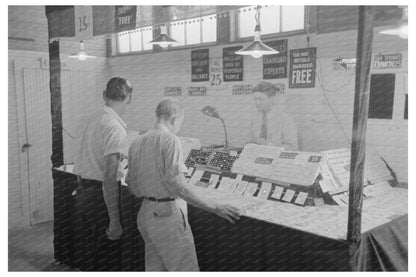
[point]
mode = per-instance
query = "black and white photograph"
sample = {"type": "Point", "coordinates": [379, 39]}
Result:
{"type": "Point", "coordinates": [263, 137]}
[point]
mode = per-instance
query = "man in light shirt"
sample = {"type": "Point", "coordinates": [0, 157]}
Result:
{"type": "Point", "coordinates": [271, 125]}
{"type": "Point", "coordinates": [156, 173]}
{"type": "Point", "coordinates": [100, 140]}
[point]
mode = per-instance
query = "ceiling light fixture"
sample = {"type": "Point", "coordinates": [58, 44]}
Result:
{"type": "Point", "coordinates": [257, 48]}
{"type": "Point", "coordinates": [163, 39]}
{"type": "Point", "coordinates": [81, 55]}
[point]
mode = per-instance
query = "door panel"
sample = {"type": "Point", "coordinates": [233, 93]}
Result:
{"type": "Point", "coordinates": [75, 86]}
{"type": "Point", "coordinates": [39, 134]}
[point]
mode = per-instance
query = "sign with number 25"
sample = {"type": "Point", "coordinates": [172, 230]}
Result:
{"type": "Point", "coordinates": [216, 79]}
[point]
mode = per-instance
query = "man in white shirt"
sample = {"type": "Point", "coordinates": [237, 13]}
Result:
{"type": "Point", "coordinates": [271, 125]}
{"type": "Point", "coordinates": [100, 140]}
{"type": "Point", "coordinates": [156, 173]}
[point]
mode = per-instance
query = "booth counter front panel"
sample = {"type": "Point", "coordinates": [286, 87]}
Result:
{"type": "Point", "coordinates": [271, 236]}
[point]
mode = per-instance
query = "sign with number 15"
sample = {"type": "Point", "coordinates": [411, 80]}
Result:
{"type": "Point", "coordinates": [83, 22]}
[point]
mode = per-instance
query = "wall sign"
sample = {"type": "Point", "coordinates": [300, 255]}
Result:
{"type": "Point", "coordinates": [345, 63]}
{"type": "Point", "coordinates": [83, 22]}
{"type": "Point", "coordinates": [275, 66]}
{"type": "Point", "coordinates": [197, 91]}
{"type": "Point", "coordinates": [385, 61]}
{"type": "Point", "coordinates": [200, 65]}
{"type": "Point", "coordinates": [215, 73]}
{"type": "Point", "coordinates": [125, 18]}
{"type": "Point", "coordinates": [173, 91]}
{"type": "Point", "coordinates": [302, 68]}
{"type": "Point", "coordinates": [232, 64]}
{"type": "Point", "coordinates": [242, 89]}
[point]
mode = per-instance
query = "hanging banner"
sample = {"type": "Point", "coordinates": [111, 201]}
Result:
{"type": "Point", "coordinates": [61, 21]}
{"type": "Point", "coordinates": [232, 64]}
{"type": "Point", "coordinates": [302, 68]}
{"type": "Point", "coordinates": [200, 65]}
{"type": "Point", "coordinates": [387, 61]}
{"type": "Point", "coordinates": [103, 20]}
{"type": "Point", "coordinates": [125, 18]}
{"type": "Point", "coordinates": [275, 66]}
{"type": "Point", "coordinates": [83, 22]}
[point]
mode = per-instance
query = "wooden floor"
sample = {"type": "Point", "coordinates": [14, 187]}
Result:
{"type": "Point", "coordinates": [31, 249]}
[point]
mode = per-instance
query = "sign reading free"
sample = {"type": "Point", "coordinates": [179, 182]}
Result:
{"type": "Point", "coordinates": [302, 68]}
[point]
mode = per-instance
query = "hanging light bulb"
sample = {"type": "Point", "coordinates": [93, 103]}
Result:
{"type": "Point", "coordinates": [401, 30]}
{"type": "Point", "coordinates": [257, 48]}
{"type": "Point", "coordinates": [81, 54]}
{"type": "Point", "coordinates": [163, 39]}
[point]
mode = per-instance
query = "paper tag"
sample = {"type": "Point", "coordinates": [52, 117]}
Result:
{"type": "Point", "coordinates": [264, 190]}
{"type": "Point", "coordinates": [318, 201]}
{"type": "Point", "coordinates": [239, 177]}
{"type": "Point", "coordinates": [277, 193]}
{"type": "Point", "coordinates": [288, 195]}
{"type": "Point", "coordinates": [345, 197]}
{"type": "Point", "coordinates": [241, 187]}
{"type": "Point", "coordinates": [232, 185]}
{"type": "Point", "coordinates": [190, 170]}
{"type": "Point", "coordinates": [251, 189]}
{"type": "Point", "coordinates": [301, 199]}
{"type": "Point", "coordinates": [196, 177]}
{"type": "Point", "coordinates": [213, 180]}
{"type": "Point", "coordinates": [324, 185]}
{"type": "Point", "coordinates": [337, 199]}
{"type": "Point", "coordinates": [223, 183]}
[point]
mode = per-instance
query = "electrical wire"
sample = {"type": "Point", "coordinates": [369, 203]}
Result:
{"type": "Point", "coordinates": [67, 132]}
{"type": "Point", "coordinates": [324, 90]}
{"type": "Point", "coordinates": [319, 75]}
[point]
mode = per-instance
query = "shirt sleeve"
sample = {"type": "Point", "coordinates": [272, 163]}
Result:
{"type": "Point", "coordinates": [172, 159]}
{"type": "Point", "coordinates": [113, 137]}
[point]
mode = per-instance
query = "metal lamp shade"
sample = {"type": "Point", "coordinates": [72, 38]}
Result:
{"type": "Point", "coordinates": [256, 49]}
{"type": "Point", "coordinates": [163, 40]}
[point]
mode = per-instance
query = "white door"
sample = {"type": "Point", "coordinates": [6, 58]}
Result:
{"type": "Point", "coordinates": [75, 86]}
{"type": "Point", "coordinates": [39, 137]}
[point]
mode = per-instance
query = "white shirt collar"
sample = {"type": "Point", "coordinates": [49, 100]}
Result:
{"type": "Point", "coordinates": [161, 127]}
{"type": "Point", "coordinates": [110, 111]}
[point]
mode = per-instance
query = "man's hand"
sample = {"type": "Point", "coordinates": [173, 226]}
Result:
{"type": "Point", "coordinates": [228, 212]}
{"type": "Point", "coordinates": [114, 230]}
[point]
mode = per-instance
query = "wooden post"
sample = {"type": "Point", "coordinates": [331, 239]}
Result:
{"type": "Point", "coordinates": [364, 44]}
{"type": "Point", "coordinates": [56, 103]}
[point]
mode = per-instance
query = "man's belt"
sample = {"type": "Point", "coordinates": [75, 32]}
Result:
{"type": "Point", "coordinates": [159, 199]}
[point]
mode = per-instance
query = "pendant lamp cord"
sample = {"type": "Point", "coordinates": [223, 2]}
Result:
{"type": "Point", "coordinates": [258, 15]}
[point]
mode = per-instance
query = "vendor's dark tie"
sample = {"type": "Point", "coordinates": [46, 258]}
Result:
{"type": "Point", "coordinates": [263, 130]}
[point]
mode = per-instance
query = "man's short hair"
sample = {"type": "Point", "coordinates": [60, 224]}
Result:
{"type": "Point", "coordinates": [118, 89]}
{"type": "Point", "coordinates": [265, 87]}
{"type": "Point", "coordinates": [168, 108]}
